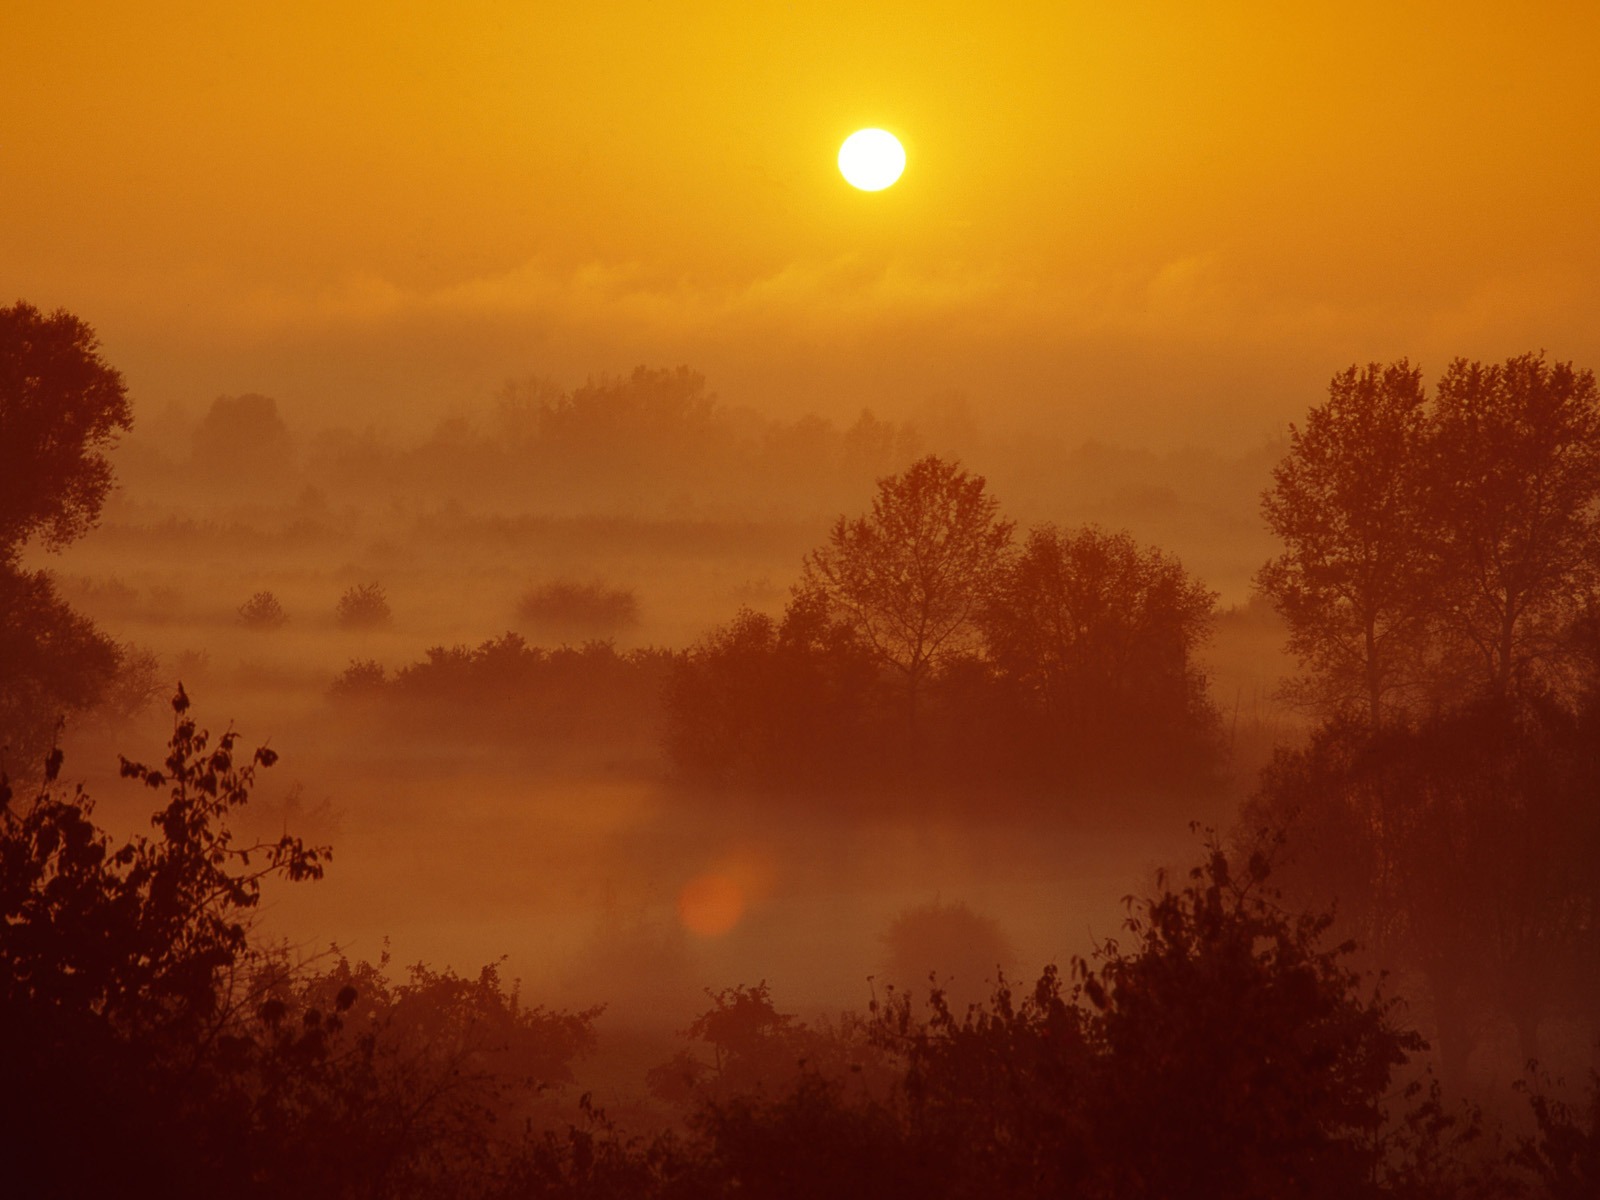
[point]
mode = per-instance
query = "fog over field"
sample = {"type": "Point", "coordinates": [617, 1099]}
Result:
{"type": "Point", "coordinates": [824, 600]}
{"type": "Point", "coordinates": [460, 848]}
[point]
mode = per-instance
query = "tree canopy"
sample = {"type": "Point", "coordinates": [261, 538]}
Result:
{"type": "Point", "coordinates": [1438, 552]}
{"type": "Point", "coordinates": [1348, 501]}
{"type": "Point", "coordinates": [61, 408]}
{"type": "Point", "coordinates": [913, 575]}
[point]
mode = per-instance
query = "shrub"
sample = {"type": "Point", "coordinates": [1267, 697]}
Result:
{"type": "Point", "coordinates": [579, 609]}
{"type": "Point", "coordinates": [364, 607]}
{"type": "Point", "coordinates": [137, 1001]}
{"type": "Point", "coordinates": [263, 611]}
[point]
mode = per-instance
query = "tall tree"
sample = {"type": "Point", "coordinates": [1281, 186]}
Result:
{"type": "Point", "coordinates": [61, 407]}
{"type": "Point", "coordinates": [1516, 478]}
{"type": "Point", "coordinates": [1354, 579]}
{"type": "Point", "coordinates": [912, 577]}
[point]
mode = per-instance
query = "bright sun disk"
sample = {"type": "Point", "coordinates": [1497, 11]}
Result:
{"type": "Point", "coordinates": [871, 159]}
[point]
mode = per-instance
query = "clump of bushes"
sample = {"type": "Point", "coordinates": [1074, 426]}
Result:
{"type": "Point", "coordinates": [263, 611]}
{"type": "Point", "coordinates": [365, 606]}
{"type": "Point", "coordinates": [578, 609]}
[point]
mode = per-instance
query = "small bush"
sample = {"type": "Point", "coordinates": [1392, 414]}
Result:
{"type": "Point", "coordinates": [579, 609]}
{"type": "Point", "coordinates": [364, 607]}
{"type": "Point", "coordinates": [263, 611]}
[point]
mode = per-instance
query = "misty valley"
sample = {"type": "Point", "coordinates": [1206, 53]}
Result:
{"type": "Point", "coordinates": [617, 791]}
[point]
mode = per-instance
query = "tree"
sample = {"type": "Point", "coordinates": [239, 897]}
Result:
{"type": "Point", "coordinates": [1099, 635]}
{"type": "Point", "coordinates": [1354, 580]}
{"type": "Point", "coordinates": [912, 577]}
{"type": "Point", "coordinates": [56, 662]}
{"type": "Point", "coordinates": [244, 441]}
{"type": "Point", "coordinates": [767, 703]}
{"type": "Point", "coordinates": [61, 407]}
{"type": "Point", "coordinates": [1516, 476]}
{"type": "Point", "coordinates": [1465, 852]}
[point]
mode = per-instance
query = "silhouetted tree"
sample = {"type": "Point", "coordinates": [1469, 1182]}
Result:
{"type": "Point", "coordinates": [774, 703]}
{"type": "Point", "coordinates": [1355, 580]}
{"type": "Point", "coordinates": [1466, 850]}
{"type": "Point", "coordinates": [243, 439]}
{"type": "Point", "coordinates": [416, 1087]}
{"type": "Point", "coordinates": [1099, 636]}
{"type": "Point", "coordinates": [508, 692]}
{"type": "Point", "coordinates": [913, 576]}
{"type": "Point", "coordinates": [56, 663]}
{"type": "Point", "coordinates": [1516, 477]}
{"type": "Point", "coordinates": [61, 407]}
{"type": "Point", "coordinates": [1451, 547]}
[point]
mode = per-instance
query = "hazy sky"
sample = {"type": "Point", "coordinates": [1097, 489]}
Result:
{"type": "Point", "coordinates": [1150, 222]}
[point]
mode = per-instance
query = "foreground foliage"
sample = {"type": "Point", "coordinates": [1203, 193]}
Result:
{"type": "Point", "coordinates": [152, 1043]}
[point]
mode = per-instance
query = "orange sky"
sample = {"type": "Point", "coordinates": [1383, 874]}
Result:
{"type": "Point", "coordinates": [1155, 223]}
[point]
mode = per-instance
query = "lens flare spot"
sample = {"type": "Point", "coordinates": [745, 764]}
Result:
{"type": "Point", "coordinates": [710, 905]}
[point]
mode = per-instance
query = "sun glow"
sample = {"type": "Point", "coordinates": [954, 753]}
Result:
{"type": "Point", "coordinates": [871, 159]}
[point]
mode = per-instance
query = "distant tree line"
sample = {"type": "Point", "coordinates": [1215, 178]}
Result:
{"type": "Point", "coordinates": [922, 643]}
{"type": "Point", "coordinates": [613, 441]}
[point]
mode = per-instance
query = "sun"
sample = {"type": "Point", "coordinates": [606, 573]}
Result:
{"type": "Point", "coordinates": [871, 159]}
